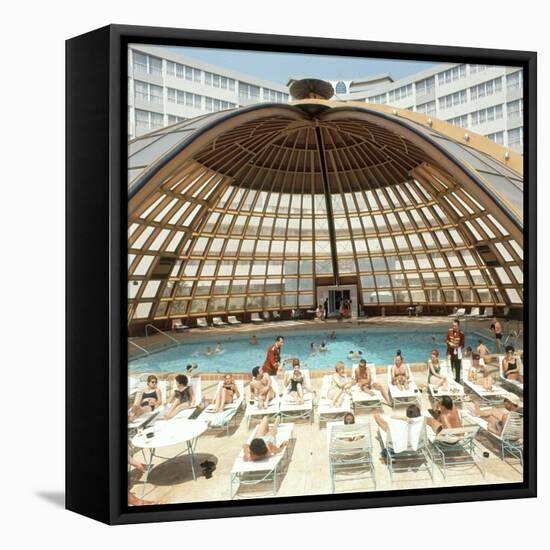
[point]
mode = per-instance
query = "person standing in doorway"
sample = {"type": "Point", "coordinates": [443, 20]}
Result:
{"type": "Point", "coordinates": [455, 343]}
{"type": "Point", "coordinates": [325, 307]}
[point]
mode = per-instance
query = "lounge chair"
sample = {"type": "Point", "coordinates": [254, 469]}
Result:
{"type": "Point", "coordinates": [511, 383]}
{"type": "Point", "coordinates": [350, 452]}
{"type": "Point", "coordinates": [232, 320]}
{"type": "Point", "coordinates": [406, 441]}
{"type": "Point", "coordinates": [510, 439]}
{"type": "Point", "coordinates": [362, 399]}
{"type": "Point", "coordinates": [403, 397]}
{"type": "Point", "coordinates": [326, 410]}
{"type": "Point", "coordinates": [289, 408]}
{"type": "Point", "coordinates": [260, 471]}
{"type": "Point", "coordinates": [178, 326]}
{"type": "Point", "coordinates": [454, 390]}
{"type": "Point", "coordinates": [456, 447]}
{"type": "Point", "coordinates": [218, 322]}
{"type": "Point", "coordinates": [252, 410]}
{"type": "Point", "coordinates": [474, 313]}
{"type": "Point", "coordinates": [488, 312]}
{"type": "Point", "coordinates": [201, 322]}
{"type": "Point", "coordinates": [223, 419]}
{"type": "Point", "coordinates": [255, 318]}
{"type": "Point", "coordinates": [494, 395]}
{"type": "Point", "coordinates": [276, 316]}
{"type": "Point", "coordinates": [460, 312]}
{"type": "Point", "coordinates": [267, 316]}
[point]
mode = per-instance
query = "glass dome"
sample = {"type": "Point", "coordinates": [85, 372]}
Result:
{"type": "Point", "coordinates": [258, 208]}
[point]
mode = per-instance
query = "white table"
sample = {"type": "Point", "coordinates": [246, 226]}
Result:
{"type": "Point", "coordinates": [168, 433]}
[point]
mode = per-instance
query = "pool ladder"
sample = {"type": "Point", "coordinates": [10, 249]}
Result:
{"type": "Point", "coordinates": [160, 331]}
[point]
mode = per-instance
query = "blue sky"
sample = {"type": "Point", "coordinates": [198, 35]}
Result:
{"type": "Point", "coordinates": [279, 67]}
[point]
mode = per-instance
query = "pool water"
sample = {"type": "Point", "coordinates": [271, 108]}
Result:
{"type": "Point", "coordinates": [378, 345]}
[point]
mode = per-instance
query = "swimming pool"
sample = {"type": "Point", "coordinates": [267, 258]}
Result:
{"type": "Point", "coordinates": [378, 345]}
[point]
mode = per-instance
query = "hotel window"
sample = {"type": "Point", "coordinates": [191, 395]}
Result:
{"type": "Point", "coordinates": [486, 88]}
{"type": "Point", "coordinates": [146, 120]}
{"type": "Point", "coordinates": [515, 109]}
{"type": "Point", "coordinates": [341, 88]}
{"type": "Point", "coordinates": [184, 98]}
{"type": "Point", "coordinates": [148, 92]}
{"type": "Point", "coordinates": [218, 81]}
{"type": "Point", "coordinates": [426, 108]}
{"type": "Point", "coordinates": [460, 121]}
{"type": "Point", "coordinates": [451, 100]}
{"type": "Point", "coordinates": [172, 119]}
{"type": "Point", "coordinates": [400, 93]}
{"type": "Point", "coordinates": [450, 75]}
{"type": "Point", "coordinates": [381, 98]}
{"type": "Point", "coordinates": [514, 80]}
{"type": "Point", "coordinates": [486, 115]}
{"type": "Point", "coordinates": [248, 92]}
{"type": "Point", "coordinates": [515, 138]}
{"type": "Point", "coordinates": [474, 69]}
{"type": "Point", "coordinates": [183, 71]}
{"type": "Point", "coordinates": [147, 64]}
{"type": "Point", "coordinates": [425, 86]}
{"type": "Point", "coordinates": [497, 137]}
{"type": "Point", "coordinates": [212, 105]}
{"type": "Point", "coordinates": [274, 96]}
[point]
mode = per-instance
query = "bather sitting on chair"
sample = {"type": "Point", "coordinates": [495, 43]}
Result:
{"type": "Point", "coordinates": [146, 401]}
{"type": "Point", "coordinates": [496, 420]}
{"type": "Point", "coordinates": [183, 397]}
{"type": "Point", "coordinates": [510, 367]}
{"type": "Point", "coordinates": [340, 385]}
{"type": "Point", "coordinates": [434, 371]}
{"type": "Point", "coordinates": [296, 382]}
{"type": "Point", "coordinates": [400, 373]}
{"type": "Point", "coordinates": [228, 392]}
{"type": "Point", "coordinates": [445, 415]}
{"type": "Point", "coordinates": [260, 388]}
{"type": "Point", "coordinates": [363, 378]}
{"type": "Point", "coordinates": [264, 444]}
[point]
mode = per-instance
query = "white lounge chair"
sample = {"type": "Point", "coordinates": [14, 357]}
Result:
{"type": "Point", "coordinates": [252, 410]}
{"type": "Point", "coordinates": [178, 326]}
{"type": "Point", "coordinates": [494, 395]}
{"type": "Point", "coordinates": [487, 312]}
{"type": "Point", "coordinates": [510, 439]}
{"type": "Point", "coordinates": [232, 320]}
{"type": "Point", "coordinates": [260, 471]}
{"type": "Point", "coordinates": [474, 313]}
{"type": "Point", "coordinates": [350, 452]}
{"type": "Point", "coordinates": [289, 408]}
{"type": "Point", "coordinates": [255, 318]}
{"type": "Point", "coordinates": [267, 316]}
{"type": "Point", "coordinates": [218, 322]}
{"type": "Point", "coordinates": [276, 316]}
{"type": "Point", "coordinates": [460, 312]}
{"type": "Point", "coordinates": [223, 419]}
{"type": "Point", "coordinates": [201, 322]}
{"type": "Point", "coordinates": [454, 390]}
{"type": "Point", "coordinates": [403, 397]}
{"type": "Point", "coordinates": [505, 381]}
{"type": "Point", "coordinates": [406, 441]}
{"type": "Point", "coordinates": [362, 399]}
{"type": "Point", "coordinates": [326, 410]}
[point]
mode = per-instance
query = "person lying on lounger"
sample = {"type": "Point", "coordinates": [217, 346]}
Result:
{"type": "Point", "coordinates": [183, 397]}
{"type": "Point", "coordinates": [228, 392]}
{"type": "Point", "coordinates": [264, 444]}
{"type": "Point", "coordinates": [134, 500]}
{"type": "Point", "coordinates": [340, 385]}
{"type": "Point", "coordinates": [260, 388]}
{"type": "Point", "coordinates": [400, 373]}
{"type": "Point", "coordinates": [496, 419]}
{"type": "Point", "coordinates": [510, 367]}
{"type": "Point", "coordinates": [147, 400]}
{"type": "Point", "coordinates": [445, 415]}
{"type": "Point", "coordinates": [478, 373]}
{"type": "Point", "coordinates": [363, 379]}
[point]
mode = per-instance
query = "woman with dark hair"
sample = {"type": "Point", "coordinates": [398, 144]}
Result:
{"type": "Point", "coordinates": [147, 400]}
{"type": "Point", "coordinates": [400, 373]}
{"type": "Point", "coordinates": [510, 367]}
{"type": "Point", "coordinates": [260, 388]}
{"type": "Point", "coordinates": [183, 397]}
{"type": "Point", "coordinates": [264, 444]}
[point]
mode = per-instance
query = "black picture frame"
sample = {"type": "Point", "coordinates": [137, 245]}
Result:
{"type": "Point", "coordinates": [96, 278]}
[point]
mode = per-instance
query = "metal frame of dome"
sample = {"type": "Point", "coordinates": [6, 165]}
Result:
{"type": "Point", "coordinates": [420, 213]}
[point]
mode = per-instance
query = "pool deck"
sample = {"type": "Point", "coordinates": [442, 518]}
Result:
{"type": "Point", "coordinates": [307, 473]}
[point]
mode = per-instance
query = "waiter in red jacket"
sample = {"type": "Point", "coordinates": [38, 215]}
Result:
{"type": "Point", "coordinates": [272, 361]}
{"type": "Point", "coordinates": [455, 343]}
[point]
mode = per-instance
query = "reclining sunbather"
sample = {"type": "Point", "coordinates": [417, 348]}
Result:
{"type": "Point", "coordinates": [496, 420]}
{"type": "Point", "coordinates": [296, 383]}
{"type": "Point", "coordinates": [228, 392]}
{"type": "Point", "coordinates": [340, 385]}
{"type": "Point", "coordinates": [183, 397]}
{"type": "Point", "coordinates": [400, 373]}
{"type": "Point", "coordinates": [146, 401]}
{"type": "Point", "coordinates": [445, 415]}
{"type": "Point", "coordinates": [264, 444]}
{"type": "Point", "coordinates": [260, 388]}
{"type": "Point", "coordinates": [363, 378]}
{"type": "Point", "coordinates": [478, 373]}
{"type": "Point", "coordinates": [510, 367]}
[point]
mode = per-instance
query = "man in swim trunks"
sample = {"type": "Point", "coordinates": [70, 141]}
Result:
{"type": "Point", "coordinates": [496, 327]}
{"type": "Point", "coordinates": [496, 419]}
{"type": "Point", "coordinates": [272, 362]}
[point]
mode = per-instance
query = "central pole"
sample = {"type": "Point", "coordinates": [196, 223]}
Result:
{"type": "Point", "coordinates": [328, 202]}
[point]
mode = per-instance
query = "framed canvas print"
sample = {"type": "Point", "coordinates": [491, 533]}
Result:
{"type": "Point", "coordinates": [309, 268]}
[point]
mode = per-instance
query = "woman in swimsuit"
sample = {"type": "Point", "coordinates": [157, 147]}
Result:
{"type": "Point", "coordinates": [264, 444]}
{"type": "Point", "coordinates": [228, 392]}
{"type": "Point", "coordinates": [434, 371]}
{"type": "Point", "coordinates": [260, 388]}
{"type": "Point", "coordinates": [183, 397]}
{"type": "Point", "coordinates": [340, 385]}
{"type": "Point", "coordinates": [146, 401]}
{"type": "Point", "coordinates": [295, 382]}
{"type": "Point", "coordinates": [400, 373]}
{"type": "Point", "coordinates": [510, 366]}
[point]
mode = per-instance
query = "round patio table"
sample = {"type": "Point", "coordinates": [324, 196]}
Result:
{"type": "Point", "coordinates": [167, 433]}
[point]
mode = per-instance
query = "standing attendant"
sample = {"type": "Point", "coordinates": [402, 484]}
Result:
{"type": "Point", "coordinates": [272, 362]}
{"type": "Point", "coordinates": [455, 343]}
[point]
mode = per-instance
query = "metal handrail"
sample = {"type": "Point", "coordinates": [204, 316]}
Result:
{"type": "Point", "coordinates": [137, 346]}
{"type": "Point", "coordinates": [161, 332]}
